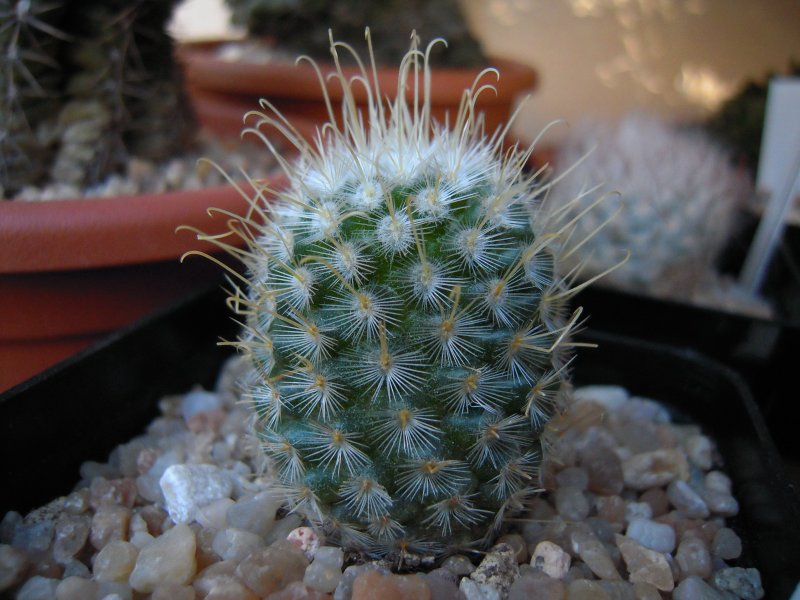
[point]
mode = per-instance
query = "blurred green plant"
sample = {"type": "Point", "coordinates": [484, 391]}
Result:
{"type": "Point", "coordinates": [301, 26]}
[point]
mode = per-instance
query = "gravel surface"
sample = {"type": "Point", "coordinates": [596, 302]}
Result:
{"type": "Point", "coordinates": [634, 507]}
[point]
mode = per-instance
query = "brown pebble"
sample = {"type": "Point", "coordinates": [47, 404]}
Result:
{"type": "Point", "coordinates": [372, 585]}
{"type": "Point", "coordinates": [657, 499]}
{"type": "Point", "coordinates": [114, 492]}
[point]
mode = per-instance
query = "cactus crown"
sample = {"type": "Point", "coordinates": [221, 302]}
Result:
{"type": "Point", "coordinates": [404, 317]}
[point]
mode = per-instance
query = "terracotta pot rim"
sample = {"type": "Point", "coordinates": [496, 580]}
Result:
{"type": "Point", "coordinates": [86, 233]}
{"type": "Point", "coordinates": [282, 79]}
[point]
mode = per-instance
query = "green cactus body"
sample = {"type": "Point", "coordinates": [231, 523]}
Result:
{"type": "Point", "coordinates": [407, 330]}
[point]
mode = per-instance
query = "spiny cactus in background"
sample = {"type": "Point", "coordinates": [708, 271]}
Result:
{"type": "Point", "coordinates": [405, 319]}
{"type": "Point", "coordinates": [30, 80]}
{"type": "Point", "coordinates": [680, 194]}
{"type": "Point", "coordinates": [86, 84]}
{"type": "Point", "coordinates": [301, 26]}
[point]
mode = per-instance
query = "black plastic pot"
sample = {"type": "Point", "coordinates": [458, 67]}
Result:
{"type": "Point", "coordinates": [83, 408]}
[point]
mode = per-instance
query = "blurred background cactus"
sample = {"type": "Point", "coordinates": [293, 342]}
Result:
{"type": "Point", "coordinates": [301, 26]}
{"type": "Point", "coordinates": [406, 324]}
{"type": "Point", "coordinates": [84, 85]}
{"type": "Point", "coordinates": [679, 197]}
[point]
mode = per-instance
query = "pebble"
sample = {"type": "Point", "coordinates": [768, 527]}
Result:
{"type": "Point", "coordinates": [306, 539]}
{"type": "Point", "coordinates": [298, 591]}
{"type": "Point", "coordinates": [325, 572]}
{"type": "Point", "coordinates": [699, 449]}
{"type": "Point", "coordinates": [745, 583]}
{"type": "Point", "coordinates": [635, 511]}
{"type": "Point", "coordinates": [693, 558]}
{"type": "Point", "coordinates": [610, 397]}
{"type": "Point", "coordinates": [595, 555]}
{"type": "Point", "coordinates": [472, 590]}
{"type": "Point", "coordinates": [694, 588]}
{"type": "Point", "coordinates": [214, 515]}
{"type": "Point", "coordinates": [571, 503]}
{"type": "Point", "coordinates": [686, 500]}
{"type": "Point", "coordinates": [169, 558]}
{"type": "Point", "coordinates": [603, 468]}
{"type": "Point", "coordinates": [657, 499]}
{"type": "Point", "coordinates": [173, 591]}
{"type": "Point", "coordinates": [235, 544]}
{"type": "Point", "coordinates": [721, 503]}
{"type": "Point", "coordinates": [38, 588]}
{"type": "Point", "coordinates": [656, 536]}
{"type": "Point", "coordinates": [13, 566]}
{"type": "Point", "coordinates": [443, 585]}
{"type": "Point", "coordinates": [115, 561]}
{"type": "Point", "coordinates": [551, 559]}
{"type": "Point", "coordinates": [109, 523]}
{"type": "Point", "coordinates": [654, 469]}
{"type": "Point", "coordinates": [583, 589]}
{"type": "Point", "coordinates": [71, 535]}
{"type": "Point", "coordinates": [199, 401]}
{"type": "Point", "coordinates": [645, 565]}
{"type": "Point", "coordinates": [536, 585]}
{"type": "Point", "coordinates": [267, 570]}
{"type": "Point", "coordinates": [76, 588]}
{"type": "Point", "coordinates": [458, 564]}
{"type": "Point", "coordinates": [372, 585]}
{"type": "Point", "coordinates": [344, 590]}
{"type": "Point", "coordinates": [498, 568]}
{"type": "Point", "coordinates": [255, 513]}
{"type": "Point", "coordinates": [726, 545]}
{"type": "Point", "coordinates": [188, 487]}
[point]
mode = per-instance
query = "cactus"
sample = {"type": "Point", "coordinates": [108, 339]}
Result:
{"type": "Point", "coordinates": [86, 84]}
{"type": "Point", "coordinates": [405, 320]}
{"type": "Point", "coordinates": [680, 194]}
{"type": "Point", "coordinates": [301, 26]}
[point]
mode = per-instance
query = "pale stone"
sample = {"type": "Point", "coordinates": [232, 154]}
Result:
{"type": "Point", "coordinates": [498, 568]}
{"type": "Point", "coordinates": [538, 586]}
{"type": "Point", "coordinates": [572, 504]}
{"type": "Point", "coordinates": [551, 560]}
{"type": "Point", "coordinates": [214, 515]}
{"type": "Point", "coordinates": [618, 590]}
{"type": "Point", "coordinates": [610, 397]}
{"type": "Point", "coordinates": [114, 590]}
{"type": "Point", "coordinates": [255, 513]}
{"type": "Point", "coordinates": [694, 588]}
{"type": "Point", "coordinates": [717, 481]}
{"type": "Point", "coordinates": [686, 500]}
{"type": "Point", "coordinates": [269, 569]}
{"type": "Point", "coordinates": [654, 469]}
{"type": "Point", "coordinates": [472, 590]}
{"type": "Point", "coordinates": [13, 566]}
{"type": "Point", "coordinates": [595, 555]}
{"type": "Point", "coordinates": [113, 492]}
{"type": "Point", "coordinates": [231, 590]}
{"type": "Point", "coordinates": [583, 589]}
{"type": "Point", "coordinates": [638, 510]}
{"type": "Point", "coordinates": [199, 401]}
{"type": "Point", "coordinates": [188, 487]}
{"type": "Point", "coordinates": [699, 450]}
{"type": "Point", "coordinates": [726, 545]}
{"type": "Point", "coordinates": [115, 561]}
{"type": "Point", "coordinates": [443, 585]}
{"type": "Point", "coordinates": [458, 564]}
{"type": "Point", "coordinates": [645, 565]}
{"type": "Point", "coordinates": [109, 523]}
{"type": "Point", "coordinates": [173, 591]}
{"type": "Point", "coordinates": [76, 588]}
{"type": "Point", "coordinates": [169, 558]}
{"type": "Point", "coordinates": [693, 558]}
{"type": "Point", "coordinates": [38, 588]}
{"type": "Point", "coordinates": [325, 573]}
{"type": "Point", "coordinates": [745, 583]}
{"type": "Point", "coordinates": [656, 536]}
{"type": "Point", "coordinates": [298, 591]}
{"type": "Point", "coordinates": [646, 591]}
{"type": "Point", "coordinates": [71, 535]}
{"type": "Point", "coordinates": [372, 585]}
{"type": "Point", "coordinates": [306, 539]}
{"type": "Point", "coordinates": [213, 576]}
{"type": "Point", "coordinates": [235, 544]}
{"type": "Point", "coordinates": [720, 503]}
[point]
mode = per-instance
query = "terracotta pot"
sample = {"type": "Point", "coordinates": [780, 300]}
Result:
{"type": "Point", "coordinates": [222, 91]}
{"type": "Point", "coordinates": [73, 271]}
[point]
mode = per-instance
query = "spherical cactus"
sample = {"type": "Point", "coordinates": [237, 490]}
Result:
{"type": "Point", "coordinates": [679, 192]}
{"type": "Point", "coordinates": [405, 321]}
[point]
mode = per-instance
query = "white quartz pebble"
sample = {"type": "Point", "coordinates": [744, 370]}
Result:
{"type": "Point", "coordinates": [188, 487]}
